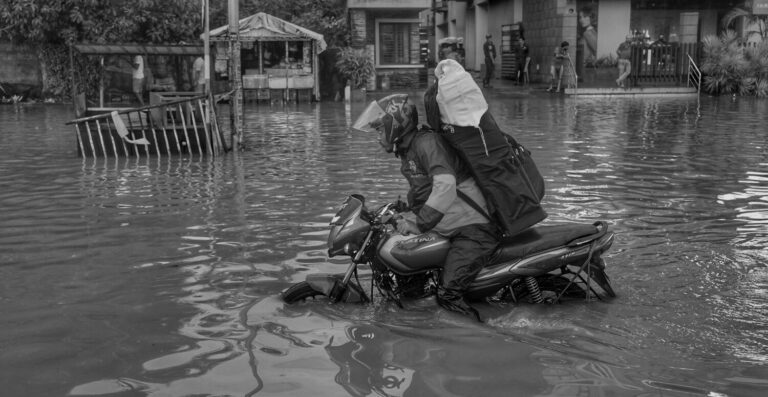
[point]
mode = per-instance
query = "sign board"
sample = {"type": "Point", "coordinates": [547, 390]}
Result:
{"type": "Point", "coordinates": [760, 7]}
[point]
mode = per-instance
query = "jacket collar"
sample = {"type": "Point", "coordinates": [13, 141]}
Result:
{"type": "Point", "coordinates": [407, 140]}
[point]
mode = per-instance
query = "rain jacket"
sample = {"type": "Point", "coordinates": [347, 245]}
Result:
{"type": "Point", "coordinates": [434, 172]}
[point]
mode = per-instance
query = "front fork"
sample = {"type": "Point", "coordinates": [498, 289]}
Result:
{"type": "Point", "coordinates": [333, 286]}
{"type": "Point", "coordinates": [339, 288]}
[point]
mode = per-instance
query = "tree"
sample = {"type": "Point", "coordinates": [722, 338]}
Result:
{"type": "Point", "coordinates": [52, 22]}
{"type": "Point", "coordinates": [754, 25]}
{"type": "Point", "coordinates": [49, 26]}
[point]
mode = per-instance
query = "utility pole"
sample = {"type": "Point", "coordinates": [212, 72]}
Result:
{"type": "Point", "coordinates": [236, 99]}
{"type": "Point", "coordinates": [207, 45]}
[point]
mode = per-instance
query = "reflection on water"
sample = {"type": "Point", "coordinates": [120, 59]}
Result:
{"type": "Point", "coordinates": [161, 277]}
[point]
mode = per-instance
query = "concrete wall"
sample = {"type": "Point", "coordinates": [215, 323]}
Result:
{"type": "Point", "coordinates": [614, 21]}
{"type": "Point", "coordinates": [362, 24]}
{"type": "Point", "coordinates": [470, 46]}
{"type": "Point", "coordinates": [500, 13]}
{"type": "Point", "coordinates": [547, 24]}
{"type": "Point", "coordinates": [472, 20]}
{"type": "Point", "coordinates": [20, 67]}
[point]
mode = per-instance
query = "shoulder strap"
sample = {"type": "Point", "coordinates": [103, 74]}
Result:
{"type": "Point", "coordinates": [473, 204]}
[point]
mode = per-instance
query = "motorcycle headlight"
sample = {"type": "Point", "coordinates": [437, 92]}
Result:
{"type": "Point", "coordinates": [347, 238]}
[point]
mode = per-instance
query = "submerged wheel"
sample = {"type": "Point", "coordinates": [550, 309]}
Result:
{"type": "Point", "coordinates": [299, 292]}
{"type": "Point", "coordinates": [555, 285]}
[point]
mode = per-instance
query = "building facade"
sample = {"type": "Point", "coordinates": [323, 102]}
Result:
{"type": "Point", "coordinates": [593, 28]}
{"type": "Point", "coordinates": [392, 35]}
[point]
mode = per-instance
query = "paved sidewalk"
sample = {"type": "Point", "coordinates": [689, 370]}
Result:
{"type": "Point", "coordinates": [510, 87]}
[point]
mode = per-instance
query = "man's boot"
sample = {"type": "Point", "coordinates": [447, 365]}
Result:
{"type": "Point", "coordinates": [457, 304]}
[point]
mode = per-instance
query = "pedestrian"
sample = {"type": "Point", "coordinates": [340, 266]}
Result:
{"type": "Point", "coordinates": [625, 67]}
{"type": "Point", "coordinates": [198, 73]}
{"type": "Point", "coordinates": [522, 61]}
{"type": "Point", "coordinates": [556, 69]}
{"type": "Point", "coordinates": [489, 49]}
{"type": "Point", "coordinates": [138, 78]}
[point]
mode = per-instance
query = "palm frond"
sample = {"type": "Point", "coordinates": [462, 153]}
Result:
{"type": "Point", "coordinates": [747, 86]}
{"type": "Point", "coordinates": [735, 13]}
{"type": "Point", "coordinates": [761, 88]}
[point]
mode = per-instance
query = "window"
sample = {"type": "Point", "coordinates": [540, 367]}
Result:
{"type": "Point", "coordinates": [397, 42]}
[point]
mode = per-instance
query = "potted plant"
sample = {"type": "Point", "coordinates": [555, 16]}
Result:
{"type": "Point", "coordinates": [356, 67]}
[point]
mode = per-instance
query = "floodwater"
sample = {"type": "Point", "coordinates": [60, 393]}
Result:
{"type": "Point", "coordinates": [161, 276]}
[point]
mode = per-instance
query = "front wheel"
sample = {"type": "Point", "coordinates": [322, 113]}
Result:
{"type": "Point", "coordinates": [300, 292]}
{"type": "Point", "coordinates": [303, 290]}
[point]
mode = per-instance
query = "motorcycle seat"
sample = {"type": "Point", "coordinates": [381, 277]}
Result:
{"type": "Point", "coordinates": [541, 238]}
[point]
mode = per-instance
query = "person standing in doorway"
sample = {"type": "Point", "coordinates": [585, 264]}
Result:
{"type": "Point", "coordinates": [625, 67]}
{"type": "Point", "coordinates": [522, 61]}
{"type": "Point", "coordinates": [489, 49]}
{"type": "Point", "coordinates": [138, 78]}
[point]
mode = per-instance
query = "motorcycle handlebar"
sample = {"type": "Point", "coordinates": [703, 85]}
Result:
{"type": "Point", "coordinates": [389, 213]}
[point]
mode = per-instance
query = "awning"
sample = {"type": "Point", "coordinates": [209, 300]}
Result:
{"type": "Point", "coordinates": [263, 26]}
{"type": "Point", "coordinates": [138, 49]}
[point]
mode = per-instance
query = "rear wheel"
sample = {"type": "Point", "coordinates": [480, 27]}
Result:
{"type": "Point", "coordinates": [597, 274]}
{"type": "Point", "coordinates": [300, 292]}
{"type": "Point", "coordinates": [556, 285]}
{"type": "Point", "coordinates": [601, 278]}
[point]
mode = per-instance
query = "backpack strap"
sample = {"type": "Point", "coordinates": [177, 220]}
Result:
{"type": "Point", "coordinates": [473, 204]}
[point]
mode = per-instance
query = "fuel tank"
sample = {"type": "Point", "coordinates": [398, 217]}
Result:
{"type": "Point", "coordinates": [413, 254]}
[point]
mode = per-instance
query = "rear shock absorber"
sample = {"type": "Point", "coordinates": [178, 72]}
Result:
{"type": "Point", "coordinates": [533, 288]}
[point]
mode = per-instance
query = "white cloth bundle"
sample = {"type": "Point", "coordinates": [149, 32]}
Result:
{"type": "Point", "coordinates": [460, 100]}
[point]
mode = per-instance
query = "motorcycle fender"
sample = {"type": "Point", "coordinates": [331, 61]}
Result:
{"type": "Point", "coordinates": [330, 285]}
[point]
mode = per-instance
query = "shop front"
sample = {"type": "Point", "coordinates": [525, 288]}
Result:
{"type": "Point", "coordinates": [278, 59]}
{"type": "Point", "coordinates": [662, 35]}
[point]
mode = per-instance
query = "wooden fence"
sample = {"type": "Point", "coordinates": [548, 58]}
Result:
{"type": "Point", "coordinates": [170, 128]}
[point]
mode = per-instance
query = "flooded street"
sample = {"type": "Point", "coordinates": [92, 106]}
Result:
{"type": "Point", "coordinates": [162, 276]}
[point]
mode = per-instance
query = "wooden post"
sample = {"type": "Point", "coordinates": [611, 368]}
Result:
{"type": "Point", "coordinates": [72, 75]}
{"type": "Point", "coordinates": [261, 58]}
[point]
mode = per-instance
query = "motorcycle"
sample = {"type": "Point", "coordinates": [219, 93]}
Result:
{"type": "Point", "coordinates": [542, 264]}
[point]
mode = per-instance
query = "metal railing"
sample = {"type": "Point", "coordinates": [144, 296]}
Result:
{"type": "Point", "coordinates": [694, 75]}
{"type": "Point", "coordinates": [176, 127]}
{"type": "Point", "coordinates": [661, 64]}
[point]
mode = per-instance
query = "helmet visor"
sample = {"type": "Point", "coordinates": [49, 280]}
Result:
{"type": "Point", "coordinates": [370, 119]}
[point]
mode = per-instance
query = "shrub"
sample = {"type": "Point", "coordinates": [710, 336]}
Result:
{"type": "Point", "coordinates": [355, 66]}
{"type": "Point", "coordinates": [730, 67]}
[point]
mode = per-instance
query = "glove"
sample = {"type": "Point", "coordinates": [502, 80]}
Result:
{"type": "Point", "coordinates": [406, 227]}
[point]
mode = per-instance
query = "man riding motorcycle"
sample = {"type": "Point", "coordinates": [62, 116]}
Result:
{"type": "Point", "coordinates": [443, 195]}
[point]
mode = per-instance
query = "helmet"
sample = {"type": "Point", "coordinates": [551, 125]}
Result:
{"type": "Point", "coordinates": [392, 116]}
